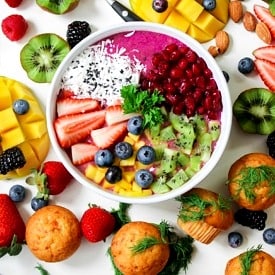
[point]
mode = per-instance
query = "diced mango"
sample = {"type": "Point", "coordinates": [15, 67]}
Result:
{"type": "Point", "coordinates": [8, 120]}
{"type": "Point", "coordinates": [5, 97]}
{"type": "Point", "coordinates": [95, 173]}
{"type": "Point", "coordinates": [129, 176]}
{"type": "Point", "coordinates": [41, 146]}
{"type": "Point", "coordinates": [12, 138]}
{"type": "Point", "coordinates": [221, 11]}
{"type": "Point", "coordinates": [34, 114]}
{"type": "Point", "coordinates": [107, 185]}
{"type": "Point", "coordinates": [176, 20]}
{"type": "Point", "coordinates": [136, 187]}
{"type": "Point", "coordinates": [124, 184]}
{"type": "Point", "coordinates": [139, 144]}
{"type": "Point", "coordinates": [34, 130]}
{"type": "Point", "coordinates": [198, 34]}
{"type": "Point", "coordinates": [134, 137]}
{"type": "Point", "coordinates": [129, 140]}
{"type": "Point", "coordinates": [128, 162]}
{"type": "Point", "coordinates": [189, 9]}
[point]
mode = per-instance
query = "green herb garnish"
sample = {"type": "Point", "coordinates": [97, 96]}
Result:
{"type": "Point", "coordinates": [14, 249]}
{"type": "Point", "coordinates": [247, 259]}
{"type": "Point", "coordinates": [144, 244]}
{"type": "Point", "coordinates": [42, 270]}
{"type": "Point", "coordinates": [193, 207]}
{"type": "Point", "coordinates": [271, 4]}
{"type": "Point", "coordinates": [144, 102]}
{"type": "Point", "coordinates": [251, 177]}
{"type": "Point", "coordinates": [121, 215]}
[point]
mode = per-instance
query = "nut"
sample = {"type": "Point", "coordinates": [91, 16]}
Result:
{"type": "Point", "coordinates": [214, 50]}
{"type": "Point", "coordinates": [222, 41]}
{"type": "Point", "coordinates": [263, 32]}
{"type": "Point", "coordinates": [249, 21]}
{"type": "Point", "coordinates": [235, 10]}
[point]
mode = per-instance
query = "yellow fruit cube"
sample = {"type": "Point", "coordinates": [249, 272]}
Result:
{"type": "Point", "coordinates": [189, 9]}
{"type": "Point", "coordinates": [139, 144]}
{"type": "Point", "coordinates": [176, 20]}
{"type": "Point", "coordinates": [95, 173]}
{"type": "Point", "coordinates": [129, 176]}
{"type": "Point", "coordinates": [5, 98]}
{"type": "Point", "coordinates": [107, 185]}
{"type": "Point", "coordinates": [129, 140]}
{"type": "Point", "coordinates": [134, 137]}
{"type": "Point", "coordinates": [198, 34]}
{"type": "Point", "coordinates": [41, 146]}
{"type": "Point", "coordinates": [128, 162]}
{"type": "Point", "coordinates": [33, 114]}
{"type": "Point", "coordinates": [12, 138]}
{"type": "Point", "coordinates": [136, 187]}
{"type": "Point", "coordinates": [221, 10]}
{"type": "Point", "coordinates": [147, 192]}
{"type": "Point", "coordinates": [124, 184]}
{"type": "Point", "coordinates": [8, 120]}
{"type": "Point", "coordinates": [34, 130]}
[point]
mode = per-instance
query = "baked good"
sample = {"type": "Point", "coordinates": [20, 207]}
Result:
{"type": "Point", "coordinates": [257, 262]}
{"type": "Point", "coordinates": [204, 214]}
{"type": "Point", "coordinates": [251, 181]}
{"type": "Point", "coordinates": [150, 261]}
{"type": "Point", "coordinates": [22, 134]}
{"type": "Point", "coordinates": [53, 233]}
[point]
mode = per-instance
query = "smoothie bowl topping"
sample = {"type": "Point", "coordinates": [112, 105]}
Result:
{"type": "Point", "coordinates": [139, 114]}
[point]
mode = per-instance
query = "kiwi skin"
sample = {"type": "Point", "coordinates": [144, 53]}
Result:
{"type": "Point", "coordinates": [254, 111]}
{"type": "Point", "coordinates": [56, 6]}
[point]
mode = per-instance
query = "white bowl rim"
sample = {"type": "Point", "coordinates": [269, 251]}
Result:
{"type": "Point", "coordinates": [194, 45]}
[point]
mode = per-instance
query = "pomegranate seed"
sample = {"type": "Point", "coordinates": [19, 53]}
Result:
{"type": "Point", "coordinates": [208, 103]}
{"type": "Point", "coordinates": [175, 55]}
{"type": "Point", "coordinates": [212, 115]}
{"type": "Point", "coordinates": [178, 109]}
{"type": "Point", "coordinates": [200, 82]}
{"type": "Point", "coordinates": [171, 47]}
{"type": "Point", "coordinates": [172, 98]}
{"type": "Point", "coordinates": [157, 58]}
{"type": "Point", "coordinates": [211, 85]}
{"type": "Point", "coordinates": [198, 94]}
{"type": "Point", "coordinates": [200, 110]}
{"type": "Point", "coordinates": [169, 88]}
{"type": "Point", "coordinates": [182, 63]}
{"type": "Point", "coordinates": [176, 72]}
{"type": "Point", "coordinates": [183, 49]}
{"type": "Point", "coordinates": [185, 86]}
{"type": "Point", "coordinates": [196, 69]}
{"type": "Point", "coordinates": [191, 56]}
{"type": "Point", "coordinates": [208, 72]}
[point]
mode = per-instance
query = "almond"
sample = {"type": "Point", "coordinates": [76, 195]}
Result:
{"type": "Point", "coordinates": [263, 32]}
{"type": "Point", "coordinates": [222, 41]}
{"type": "Point", "coordinates": [213, 50]}
{"type": "Point", "coordinates": [249, 21]}
{"type": "Point", "coordinates": [235, 10]}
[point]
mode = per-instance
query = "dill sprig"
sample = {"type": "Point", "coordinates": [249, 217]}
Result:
{"type": "Point", "coordinates": [144, 244]}
{"type": "Point", "coordinates": [41, 269]}
{"type": "Point", "coordinates": [250, 177]}
{"type": "Point", "coordinates": [117, 271]}
{"type": "Point", "coordinates": [247, 259]}
{"type": "Point", "coordinates": [121, 215]}
{"type": "Point", "coordinates": [144, 102]}
{"type": "Point", "coordinates": [193, 207]}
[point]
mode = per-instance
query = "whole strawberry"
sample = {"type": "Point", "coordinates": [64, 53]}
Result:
{"type": "Point", "coordinates": [14, 3]}
{"type": "Point", "coordinates": [51, 179]}
{"type": "Point", "coordinates": [97, 224]}
{"type": "Point", "coordinates": [14, 27]}
{"type": "Point", "coordinates": [12, 227]}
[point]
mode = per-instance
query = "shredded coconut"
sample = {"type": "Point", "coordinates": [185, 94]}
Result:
{"type": "Point", "coordinates": [100, 72]}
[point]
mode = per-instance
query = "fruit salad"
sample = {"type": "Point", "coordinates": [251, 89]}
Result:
{"type": "Point", "coordinates": [138, 118]}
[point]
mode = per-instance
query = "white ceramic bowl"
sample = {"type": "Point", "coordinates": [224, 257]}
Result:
{"type": "Point", "coordinates": [226, 116]}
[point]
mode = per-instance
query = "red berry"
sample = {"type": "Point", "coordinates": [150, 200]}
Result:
{"type": "Point", "coordinates": [97, 224]}
{"type": "Point", "coordinates": [14, 27]}
{"type": "Point", "coordinates": [13, 3]}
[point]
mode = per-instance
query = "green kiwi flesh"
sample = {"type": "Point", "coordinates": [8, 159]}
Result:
{"type": "Point", "coordinates": [57, 6]}
{"type": "Point", "coordinates": [42, 55]}
{"type": "Point", "coordinates": [254, 110]}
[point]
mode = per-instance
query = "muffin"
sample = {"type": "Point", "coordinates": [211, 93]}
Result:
{"type": "Point", "coordinates": [149, 261]}
{"type": "Point", "coordinates": [252, 262]}
{"type": "Point", "coordinates": [204, 214]}
{"type": "Point", "coordinates": [53, 233]}
{"type": "Point", "coordinates": [251, 181]}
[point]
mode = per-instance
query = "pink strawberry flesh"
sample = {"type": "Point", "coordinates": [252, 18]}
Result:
{"type": "Point", "coordinates": [265, 16]}
{"type": "Point", "coordinates": [266, 71]}
{"type": "Point", "coordinates": [73, 106]}
{"type": "Point", "coordinates": [71, 129]}
{"type": "Point", "coordinates": [266, 52]}
{"type": "Point", "coordinates": [83, 153]}
{"type": "Point", "coordinates": [107, 136]}
{"type": "Point", "coordinates": [114, 114]}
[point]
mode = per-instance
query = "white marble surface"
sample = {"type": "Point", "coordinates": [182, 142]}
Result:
{"type": "Point", "coordinates": [91, 258]}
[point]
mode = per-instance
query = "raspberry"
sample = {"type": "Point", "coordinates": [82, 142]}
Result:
{"type": "Point", "coordinates": [13, 3]}
{"type": "Point", "coordinates": [14, 27]}
{"type": "Point", "coordinates": [270, 142]}
{"type": "Point", "coordinates": [76, 31]}
{"type": "Point", "coordinates": [250, 218]}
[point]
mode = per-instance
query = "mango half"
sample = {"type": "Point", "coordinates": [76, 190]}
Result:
{"type": "Point", "coordinates": [27, 131]}
{"type": "Point", "coordinates": [188, 16]}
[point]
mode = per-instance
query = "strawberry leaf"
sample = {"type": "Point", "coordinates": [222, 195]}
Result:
{"type": "Point", "coordinates": [12, 250]}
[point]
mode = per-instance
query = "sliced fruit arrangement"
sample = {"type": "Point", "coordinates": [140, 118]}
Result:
{"type": "Point", "coordinates": [57, 6]}
{"type": "Point", "coordinates": [195, 18]}
{"type": "Point", "coordinates": [24, 142]}
{"type": "Point", "coordinates": [41, 56]}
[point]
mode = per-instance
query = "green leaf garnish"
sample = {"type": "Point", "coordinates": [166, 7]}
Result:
{"type": "Point", "coordinates": [13, 250]}
{"type": "Point", "coordinates": [144, 244]}
{"type": "Point", "coordinates": [42, 270]}
{"type": "Point", "coordinates": [193, 207]}
{"type": "Point", "coordinates": [144, 102]}
{"type": "Point", "coordinates": [251, 177]}
{"type": "Point", "coordinates": [121, 215]}
{"type": "Point", "coordinates": [271, 4]}
{"type": "Point", "coordinates": [247, 259]}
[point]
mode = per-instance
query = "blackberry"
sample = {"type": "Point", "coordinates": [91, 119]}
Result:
{"type": "Point", "coordinates": [250, 218]}
{"type": "Point", "coordinates": [270, 142]}
{"type": "Point", "coordinates": [11, 159]}
{"type": "Point", "coordinates": [77, 31]}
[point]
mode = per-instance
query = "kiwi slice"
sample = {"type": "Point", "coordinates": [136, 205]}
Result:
{"type": "Point", "coordinates": [254, 110]}
{"type": "Point", "coordinates": [57, 6]}
{"type": "Point", "coordinates": [42, 55]}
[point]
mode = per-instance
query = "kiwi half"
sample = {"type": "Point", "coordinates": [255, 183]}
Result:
{"type": "Point", "coordinates": [254, 110]}
{"type": "Point", "coordinates": [57, 6]}
{"type": "Point", "coordinates": [42, 55]}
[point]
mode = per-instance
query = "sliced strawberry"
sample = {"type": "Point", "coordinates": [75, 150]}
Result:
{"type": "Point", "coordinates": [63, 93]}
{"type": "Point", "coordinates": [76, 105]}
{"type": "Point", "coordinates": [107, 136]}
{"type": "Point", "coordinates": [265, 16]}
{"type": "Point", "coordinates": [114, 114]}
{"type": "Point", "coordinates": [83, 152]}
{"type": "Point", "coordinates": [266, 71]}
{"type": "Point", "coordinates": [266, 52]}
{"type": "Point", "coordinates": [71, 129]}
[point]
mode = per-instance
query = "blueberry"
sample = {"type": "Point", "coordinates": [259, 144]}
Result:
{"type": "Point", "coordinates": [269, 235]}
{"type": "Point", "coordinates": [144, 178]}
{"type": "Point", "coordinates": [226, 76]}
{"type": "Point", "coordinates": [209, 5]}
{"type": "Point", "coordinates": [113, 174]}
{"type": "Point", "coordinates": [235, 239]}
{"type": "Point", "coordinates": [146, 154]}
{"type": "Point", "coordinates": [160, 5]}
{"type": "Point", "coordinates": [104, 158]}
{"type": "Point", "coordinates": [37, 203]}
{"type": "Point", "coordinates": [17, 193]}
{"type": "Point", "coordinates": [134, 125]}
{"type": "Point", "coordinates": [246, 65]}
{"type": "Point", "coordinates": [123, 150]}
{"type": "Point", "coordinates": [21, 106]}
